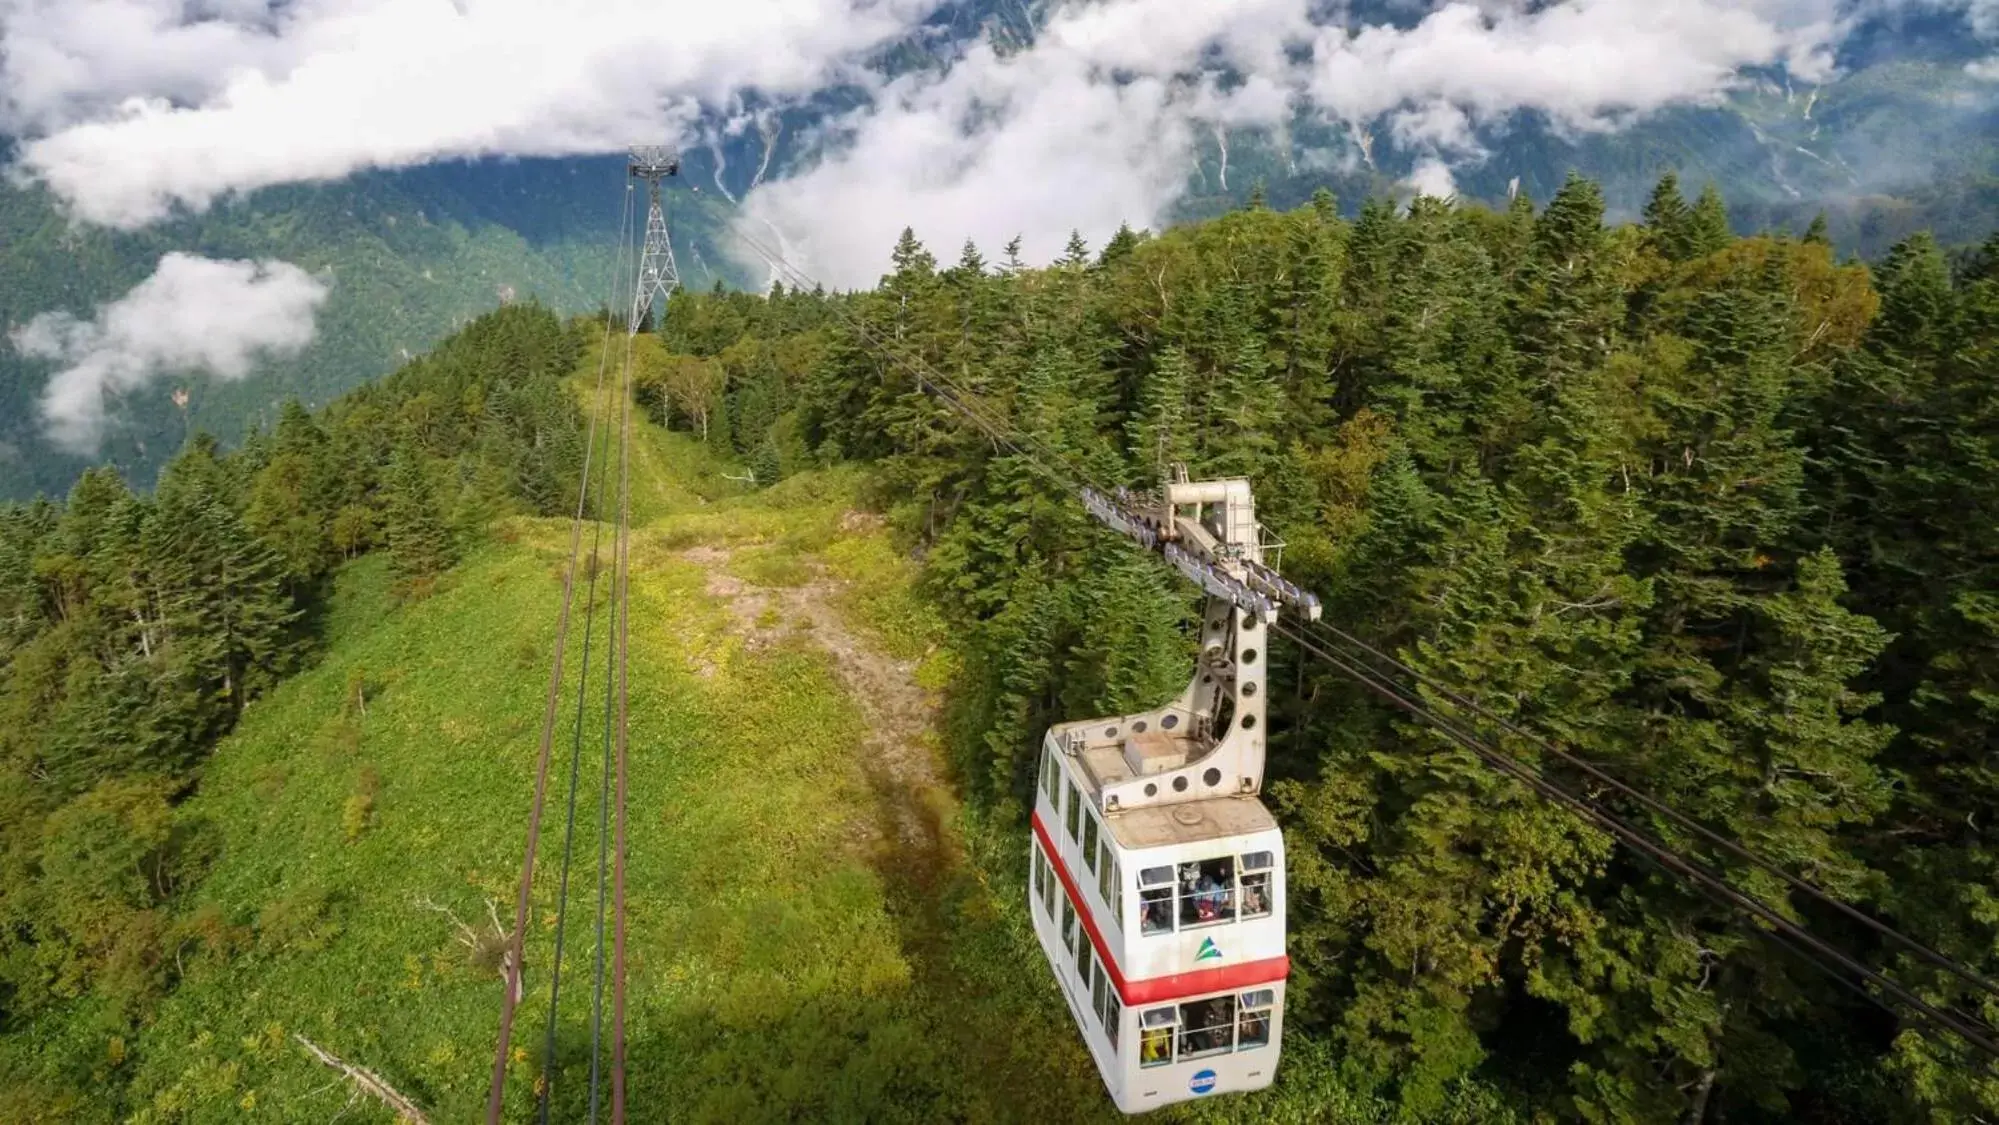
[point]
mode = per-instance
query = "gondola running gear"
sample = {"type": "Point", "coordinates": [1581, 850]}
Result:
{"type": "Point", "coordinates": [1157, 875]}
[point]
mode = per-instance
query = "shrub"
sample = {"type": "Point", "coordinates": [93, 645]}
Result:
{"type": "Point", "coordinates": [300, 922]}
{"type": "Point", "coordinates": [360, 808]}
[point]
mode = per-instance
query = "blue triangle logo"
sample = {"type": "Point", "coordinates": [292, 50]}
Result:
{"type": "Point", "coordinates": [1208, 950]}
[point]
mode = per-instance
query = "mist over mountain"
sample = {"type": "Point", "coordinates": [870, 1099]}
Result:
{"type": "Point", "coordinates": [822, 136]}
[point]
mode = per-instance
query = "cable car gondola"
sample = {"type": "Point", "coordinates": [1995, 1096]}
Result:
{"type": "Point", "coordinates": [1157, 875]}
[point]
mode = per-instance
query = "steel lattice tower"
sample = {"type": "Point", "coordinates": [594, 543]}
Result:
{"type": "Point", "coordinates": [658, 276]}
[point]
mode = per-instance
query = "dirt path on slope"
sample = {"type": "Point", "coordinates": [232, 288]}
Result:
{"type": "Point", "coordinates": [901, 716]}
{"type": "Point", "coordinates": [937, 899]}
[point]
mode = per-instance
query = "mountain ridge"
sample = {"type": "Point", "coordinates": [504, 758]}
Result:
{"type": "Point", "coordinates": [1901, 139]}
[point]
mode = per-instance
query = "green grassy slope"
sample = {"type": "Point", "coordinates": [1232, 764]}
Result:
{"type": "Point", "coordinates": [789, 958]}
{"type": "Point", "coordinates": [819, 931]}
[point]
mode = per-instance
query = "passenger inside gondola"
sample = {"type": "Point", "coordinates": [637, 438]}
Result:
{"type": "Point", "coordinates": [1155, 900]}
{"type": "Point", "coordinates": [1155, 1046]}
{"type": "Point", "coordinates": [1207, 892]}
{"type": "Point", "coordinates": [1255, 1031]}
{"type": "Point", "coordinates": [1255, 904]}
{"type": "Point", "coordinates": [1209, 1026]}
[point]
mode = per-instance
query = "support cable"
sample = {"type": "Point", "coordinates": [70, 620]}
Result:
{"type": "Point", "coordinates": [611, 666]}
{"type": "Point", "coordinates": [510, 998]}
{"type": "Point", "coordinates": [547, 1090]}
{"type": "Point", "coordinates": [624, 608]}
{"type": "Point", "coordinates": [1818, 952]}
{"type": "Point", "coordinates": [569, 824]}
{"type": "Point", "coordinates": [622, 575]}
{"type": "Point", "coordinates": [611, 669]}
{"type": "Point", "coordinates": [1334, 634]}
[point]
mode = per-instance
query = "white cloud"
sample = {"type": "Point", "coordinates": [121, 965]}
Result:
{"type": "Point", "coordinates": [1984, 17]}
{"type": "Point", "coordinates": [1433, 177]}
{"type": "Point", "coordinates": [193, 314]}
{"type": "Point", "coordinates": [1581, 62]}
{"type": "Point", "coordinates": [1090, 128]}
{"type": "Point", "coordinates": [139, 104]}
{"type": "Point", "coordinates": [131, 107]}
{"type": "Point", "coordinates": [1099, 121]}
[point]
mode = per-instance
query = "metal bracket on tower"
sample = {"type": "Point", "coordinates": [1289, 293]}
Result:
{"type": "Point", "coordinates": [1217, 583]}
{"type": "Point", "coordinates": [658, 276]}
{"type": "Point", "coordinates": [1263, 578]}
{"type": "Point", "coordinates": [1256, 590]}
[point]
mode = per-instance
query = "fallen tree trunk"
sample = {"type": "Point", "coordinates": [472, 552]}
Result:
{"type": "Point", "coordinates": [366, 1081]}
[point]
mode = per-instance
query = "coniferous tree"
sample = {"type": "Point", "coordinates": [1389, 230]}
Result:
{"type": "Point", "coordinates": [1565, 304]}
{"type": "Point", "coordinates": [1012, 252]}
{"type": "Point", "coordinates": [1157, 431]}
{"type": "Point", "coordinates": [224, 607]}
{"type": "Point", "coordinates": [1707, 223]}
{"type": "Point", "coordinates": [291, 497]}
{"type": "Point", "coordinates": [1119, 247]}
{"type": "Point", "coordinates": [1324, 206]}
{"type": "Point", "coordinates": [1075, 253]}
{"type": "Point", "coordinates": [1668, 222]}
{"type": "Point", "coordinates": [419, 543]}
{"type": "Point", "coordinates": [971, 263]}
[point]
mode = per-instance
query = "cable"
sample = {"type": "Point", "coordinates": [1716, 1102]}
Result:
{"type": "Point", "coordinates": [1821, 954]}
{"type": "Point", "coordinates": [622, 575]}
{"type": "Point", "coordinates": [1609, 780]}
{"type": "Point", "coordinates": [611, 667]}
{"type": "Point", "coordinates": [603, 841]}
{"type": "Point", "coordinates": [510, 998]}
{"type": "Point", "coordinates": [575, 768]}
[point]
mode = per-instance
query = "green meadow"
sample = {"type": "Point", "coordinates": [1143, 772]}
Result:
{"type": "Point", "coordinates": [795, 953]}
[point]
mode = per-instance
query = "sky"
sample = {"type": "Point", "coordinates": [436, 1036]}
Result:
{"type": "Point", "coordinates": [131, 110]}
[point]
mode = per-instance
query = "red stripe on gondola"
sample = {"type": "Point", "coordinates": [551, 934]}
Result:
{"type": "Point", "coordinates": [1156, 990]}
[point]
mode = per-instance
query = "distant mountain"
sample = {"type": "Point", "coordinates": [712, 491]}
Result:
{"type": "Point", "coordinates": [1904, 139]}
{"type": "Point", "coordinates": [407, 256]}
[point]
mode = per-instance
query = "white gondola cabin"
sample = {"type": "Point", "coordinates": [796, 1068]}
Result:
{"type": "Point", "coordinates": [1156, 874]}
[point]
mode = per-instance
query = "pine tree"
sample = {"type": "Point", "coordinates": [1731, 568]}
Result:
{"type": "Point", "coordinates": [970, 263]}
{"type": "Point", "coordinates": [1818, 233]}
{"type": "Point", "coordinates": [419, 543]}
{"type": "Point", "coordinates": [1324, 206]}
{"type": "Point", "coordinates": [292, 498]}
{"type": "Point", "coordinates": [1157, 431]}
{"type": "Point", "coordinates": [224, 610]}
{"type": "Point", "coordinates": [1075, 254]}
{"type": "Point", "coordinates": [1707, 224]}
{"type": "Point", "coordinates": [912, 262]}
{"type": "Point", "coordinates": [766, 462]}
{"type": "Point", "coordinates": [1918, 306]}
{"type": "Point", "coordinates": [1668, 223]}
{"type": "Point", "coordinates": [1565, 304]}
{"type": "Point", "coordinates": [1305, 297]}
{"type": "Point", "coordinates": [1012, 252]}
{"type": "Point", "coordinates": [1120, 246]}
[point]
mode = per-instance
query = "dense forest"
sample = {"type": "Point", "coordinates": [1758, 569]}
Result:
{"type": "Point", "coordinates": [1719, 513]}
{"type": "Point", "coordinates": [135, 628]}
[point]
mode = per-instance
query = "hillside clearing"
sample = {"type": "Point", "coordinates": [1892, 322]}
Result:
{"type": "Point", "coordinates": [808, 940]}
